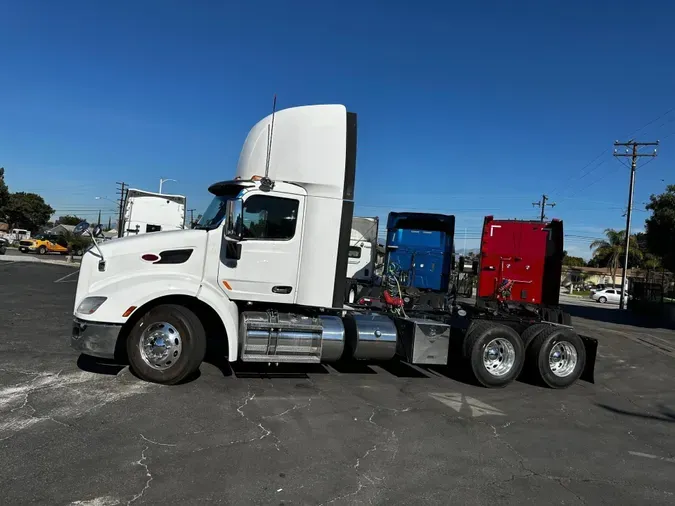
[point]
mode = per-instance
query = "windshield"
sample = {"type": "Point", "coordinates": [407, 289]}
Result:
{"type": "Point", "coordinates": [214, 214]}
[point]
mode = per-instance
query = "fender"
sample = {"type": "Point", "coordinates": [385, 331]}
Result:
{"type": "Point", "coordinates": [123, 293]}
{"type": "Point", "coordinates": [228, 312]}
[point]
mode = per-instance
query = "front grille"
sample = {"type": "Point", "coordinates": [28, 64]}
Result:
{"type": "Point", "coordinates": [25, 243]}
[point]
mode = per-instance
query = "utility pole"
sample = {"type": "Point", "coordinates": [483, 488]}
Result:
{"type": "Point", "coordinates": [542, 205]}
{"type": "Point", "coordinates": [634, 155]}
{"type": "Point", "coordinates": [122, 190]}
{"type": "Point", "coordinates": [99, 217]}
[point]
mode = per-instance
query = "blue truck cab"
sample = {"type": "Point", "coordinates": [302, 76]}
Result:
{"type": "Point", "coordinates": [420, 250]}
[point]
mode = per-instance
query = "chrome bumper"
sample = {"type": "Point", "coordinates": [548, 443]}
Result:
{"type": "Point", "coordinates": [95, 339]}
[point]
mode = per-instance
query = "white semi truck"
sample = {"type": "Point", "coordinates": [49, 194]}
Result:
{"type": "Point", "coordinates": [362, 263]}
{"type": "Point", "coordinates": [265, 271]}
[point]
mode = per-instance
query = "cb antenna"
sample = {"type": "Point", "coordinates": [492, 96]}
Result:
{"type": "Point", "coordinates": [266, 182]}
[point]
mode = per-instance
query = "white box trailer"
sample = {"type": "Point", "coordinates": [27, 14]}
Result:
{"type": "Point", "coordinates": [153, 212]}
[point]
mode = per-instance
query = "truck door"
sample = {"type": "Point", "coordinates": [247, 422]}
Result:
{"type": "Point", "coordinates": [267, 270]}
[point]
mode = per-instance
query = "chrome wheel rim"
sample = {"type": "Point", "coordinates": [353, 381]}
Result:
{"type": "Point", "coordinates": [160, 345]}
{"type": "Point", "coordinates": [563, 358]}
{"type": "Point", "coordinates": [499, 357]}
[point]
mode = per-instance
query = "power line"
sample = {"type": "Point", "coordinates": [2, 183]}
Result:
{"type": "Point", "coordinates": [634, 155]}
{"type": "Point", "coordinates": [582, 168]}
{"type": "Point", "coordinates": [572, 179]}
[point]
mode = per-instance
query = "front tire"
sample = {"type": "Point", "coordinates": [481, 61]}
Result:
{"type": "Point", "coordinates": [557, 356]}
{"type": "Point", "coordinates": [602, 300]}
{"type": "Point", "coordinates": [166, 345]}
{"type": "Point", "coordinates": [42, 250]}
{"type": "Point", "coordinates": [496, 354]}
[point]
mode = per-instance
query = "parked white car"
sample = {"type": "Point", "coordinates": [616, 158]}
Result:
{"type": "Point", "coordinates": [612, 295]}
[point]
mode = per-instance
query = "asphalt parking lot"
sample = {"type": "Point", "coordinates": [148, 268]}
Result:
{"type": "Point", "coordinates": [74, 431]}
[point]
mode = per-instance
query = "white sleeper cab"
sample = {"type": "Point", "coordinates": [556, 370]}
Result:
{"type": "Point", "coordinates": [265, 272]}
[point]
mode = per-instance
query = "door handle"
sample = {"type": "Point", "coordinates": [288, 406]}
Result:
{"type": "Point", "coordinates": [282, 289]}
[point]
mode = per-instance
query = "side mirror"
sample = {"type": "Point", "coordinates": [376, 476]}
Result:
{"type": "Point", "coordinates": [234, 220]}
{"type": "Point", "coordinates": [81, 228]}
{"type": "Point", "coordinates": [98, 231]}
{"type": "Point", "coordinates": [474, 267]}
{"type": "Point", "coordinates": [460, 268]}
{"type": "Point", "coordinates": [232, 250]}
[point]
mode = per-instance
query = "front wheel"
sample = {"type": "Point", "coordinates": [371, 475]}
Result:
{"type": "Point", "coordinates": [496, 354]}
{"type": "Point", "coordinates": [167, 344]}
{"type": "Point", "coordinates": [602, 300]}
{"type": "Point", "coordinates": [3, 250]}
{"type": "Point", "coordinates": [42, 250]}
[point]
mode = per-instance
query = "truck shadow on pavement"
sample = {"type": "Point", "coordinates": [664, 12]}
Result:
{"type": "Point", "coordinates": [604, 314]}
{"type": "Point", "coordinates": [99, 365]}
{"type": "Point", "coordinates": [665, 414]}
{"type": "Point", "coordinates": [217, 358]}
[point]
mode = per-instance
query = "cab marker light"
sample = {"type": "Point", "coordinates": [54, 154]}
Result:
{"type": "Point", "coordinates": [90, 305]}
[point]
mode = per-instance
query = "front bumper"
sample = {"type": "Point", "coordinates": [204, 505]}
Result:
{"type": "Point", "coordinates": [95, 339]}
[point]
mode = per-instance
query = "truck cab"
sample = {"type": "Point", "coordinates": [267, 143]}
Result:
{"type": "Point", "coordinates": [362, 263]}
{"type": "Point", "coordinates": [521, 264]}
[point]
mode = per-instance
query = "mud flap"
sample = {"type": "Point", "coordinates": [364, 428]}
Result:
{"type": "Point", "coordinates": [591, 346]}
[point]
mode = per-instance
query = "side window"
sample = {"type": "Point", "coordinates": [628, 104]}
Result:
{"type": "Point", "coordinates": [153, 228]}
{"type": "Point", "coordinates": [354, 252]}
{"type": "Point", "coordinates": [609, 291]}
{"type": "Point", "coordinates": [270, 218]}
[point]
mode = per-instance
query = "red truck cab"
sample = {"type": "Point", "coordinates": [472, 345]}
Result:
{"type": "Point", "coordinates": [521, 261]}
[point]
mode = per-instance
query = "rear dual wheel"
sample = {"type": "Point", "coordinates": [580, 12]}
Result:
{"type": "Point", "coordinates": [555, 356]}
{"type": "Point", "coordinates": [556, 316]}
{"type": "Point", "coordinates": [495, 352]}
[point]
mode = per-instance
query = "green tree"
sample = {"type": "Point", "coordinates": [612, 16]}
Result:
{"type": "Point", "coordinates": [570, 261]}
{"type": "Point", "coordinates": [4, 194]}
{"type": "Point", "coordinates": [27, 210]}
{"type": "Point", "coordinates": [77, 243]}
{"type": "Point", "coordinates": [610, 251]}
{"type": "Point", "coordinates": [660, 227]}
{"type": "Point", "coordinates": [69, 220]}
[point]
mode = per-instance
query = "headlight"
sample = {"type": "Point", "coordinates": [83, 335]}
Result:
{"type": "Point", "coordinates": [90, 305]}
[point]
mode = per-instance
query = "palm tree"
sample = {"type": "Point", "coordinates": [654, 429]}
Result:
{"type": "Point", "coordinates": [610, 251]}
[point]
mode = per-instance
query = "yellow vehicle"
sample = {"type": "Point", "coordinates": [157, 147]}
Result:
{"type": "Point", "coordinates": [45, 243]}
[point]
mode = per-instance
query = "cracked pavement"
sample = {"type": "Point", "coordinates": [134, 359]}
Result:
{"type": "Point", "coordinates": [78, 432]}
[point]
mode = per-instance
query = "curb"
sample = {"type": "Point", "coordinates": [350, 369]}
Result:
{"type": "Point", "coordinates": [17, 259]}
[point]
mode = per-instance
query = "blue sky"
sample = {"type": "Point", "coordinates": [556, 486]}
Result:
{"type": "Point", "coordinates": [463, 109]}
